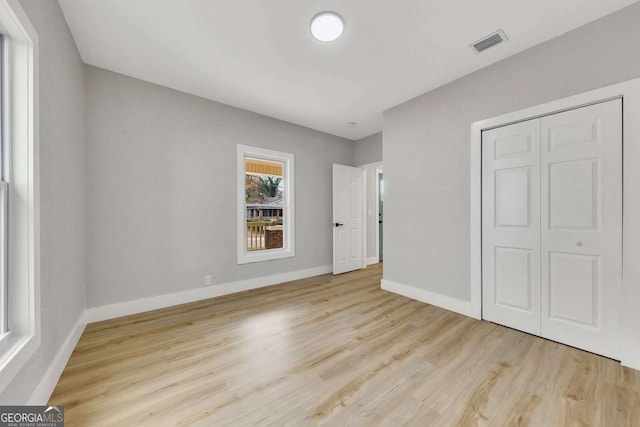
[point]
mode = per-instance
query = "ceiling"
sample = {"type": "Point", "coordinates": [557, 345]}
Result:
{"type": "Point", "coordinates": [258, 55]}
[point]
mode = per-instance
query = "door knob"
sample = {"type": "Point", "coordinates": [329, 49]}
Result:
{"type": "Point", "coordinates": [338, 224]}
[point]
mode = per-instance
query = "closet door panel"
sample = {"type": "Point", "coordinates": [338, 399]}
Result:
{"type": "Point", "coordinates": [581, 238]}
{"type": "Point", "coordinates": [511, 226]}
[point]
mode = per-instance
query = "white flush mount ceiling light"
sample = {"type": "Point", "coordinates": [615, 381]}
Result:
{"type": "Point", "coordinates": [327, 26]}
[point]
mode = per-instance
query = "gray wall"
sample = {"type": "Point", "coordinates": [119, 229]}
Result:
{"type": "Point", "coordinates": [426, 143]}
{"type": "Point", "coordinates": [62, 192]}
{"type": "Point", "coordinates": [161, 177]}
{"type": "Point", "coordinates": [369, 149]}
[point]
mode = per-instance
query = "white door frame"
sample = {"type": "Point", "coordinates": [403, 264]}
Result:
{"type": "Point", "coordinates": [377, 168]}
{"type": "Point", "coordinates": [364, 220]}
{"type": "Point", "coordinates": [629, 91]}
{"type": "Point", "coordinates": [379, 171]}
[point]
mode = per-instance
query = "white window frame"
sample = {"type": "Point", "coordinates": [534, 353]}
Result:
{"type": "Point", "coordinates": [4, 327]}
{"type": "Point", "coordinates": [20, 135]}
{"type": "Point", "coordinates": [4, 188]}
{"type": "Point", "coordinates": [288, 217]}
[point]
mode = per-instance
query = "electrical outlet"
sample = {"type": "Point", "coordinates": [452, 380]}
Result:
{"type": "Point", "coordinates": [207, 280]}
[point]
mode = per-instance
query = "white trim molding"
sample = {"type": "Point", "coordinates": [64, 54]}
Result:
{"type": "Point", "coordinates": [433, 298]}
{"type": "Point", "coordinates": [629, 92]}
{"type": "Point", "coordinates": [379, 171]}
{"type": "Point", "coordinates": [365, 231]}
{"type": "Point", "coordinates": [50, 379]}
{"type": "Point", "coordinates": [20, 109]}
{"type": "Point", "coordinates": [112, 311]}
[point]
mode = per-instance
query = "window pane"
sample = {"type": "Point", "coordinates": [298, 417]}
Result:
{"type": "Point", "coordinates": [3, 202]}
{"type": "Point", "coordinates": [264, 204]}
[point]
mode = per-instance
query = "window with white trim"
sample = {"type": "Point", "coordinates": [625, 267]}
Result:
{"type": "Point", "coordinates": [265, 204]}
{"type": "Point", "coordinates": [19, 197]}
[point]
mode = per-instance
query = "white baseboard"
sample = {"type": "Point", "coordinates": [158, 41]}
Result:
{"type": "Point", "coordinates": [372, 260]}
{"type": "Point", "coordinates": [49, 380]}
{"type": "Point", "coordinates": [439, 300]}
{"type": "Point", "coordinates": [111, 311]}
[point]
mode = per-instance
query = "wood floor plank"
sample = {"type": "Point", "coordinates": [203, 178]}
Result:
{"type": "Point", "coordinates": [334, 351]}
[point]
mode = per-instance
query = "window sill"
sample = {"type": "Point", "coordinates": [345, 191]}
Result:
{"type": "Point", "coordinates": [15, 352]}
{"type": "Point", "coordinates": [265, 255]}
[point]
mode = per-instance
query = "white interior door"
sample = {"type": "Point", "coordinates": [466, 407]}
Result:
{"type": "Point", "coordinates": [582, 227]}
{"type": "Point", "coordinates": [552, 226]}
{"type": "Point", "coordinates": [511, 226]}
{"type": "Point", "coordinates": [348, 222]}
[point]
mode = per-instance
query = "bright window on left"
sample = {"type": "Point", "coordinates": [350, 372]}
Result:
{"type": "Point", "coordinates": [20, 306]}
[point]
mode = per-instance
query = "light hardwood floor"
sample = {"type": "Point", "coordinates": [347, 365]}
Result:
{"type": "Point", "coordinates": [334, 351]}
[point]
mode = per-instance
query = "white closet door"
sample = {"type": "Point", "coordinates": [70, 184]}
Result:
{"type": "Point", "coordinates": [581, 243]}
{"type": "Point", "coordinates": [511, 226]}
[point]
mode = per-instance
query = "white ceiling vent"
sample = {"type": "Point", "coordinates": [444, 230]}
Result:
{"type": "Point", "coordinates": [489, 41]}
